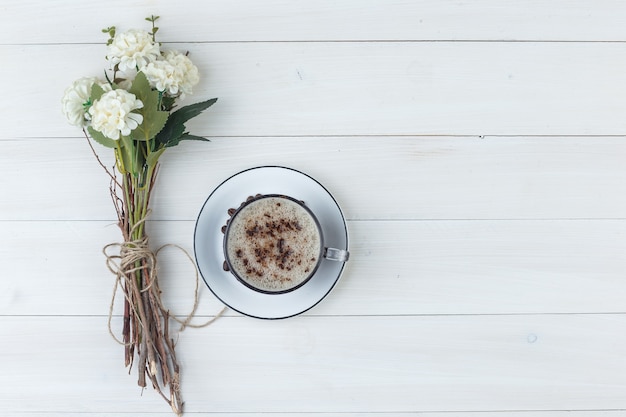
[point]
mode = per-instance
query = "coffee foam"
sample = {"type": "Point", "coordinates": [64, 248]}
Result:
{"type": "Point", "coordinates": [273, 244]}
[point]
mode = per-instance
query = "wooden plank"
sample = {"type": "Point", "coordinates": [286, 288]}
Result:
{"type": "Point", "coordinates": [283, 89]}
{"type": "Point", "coordinates": [396, 267]}
{"type": "Point", "coordinates": [394, 178]}
{"type": "Point", "coordinates": [325, 20]}
{"type": "Point", "coordinates": [347, 364]}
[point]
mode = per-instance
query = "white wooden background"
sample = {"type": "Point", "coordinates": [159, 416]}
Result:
{"type": "Point", "coordinates": [478, 150]}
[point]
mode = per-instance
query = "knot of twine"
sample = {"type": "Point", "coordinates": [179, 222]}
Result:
{"type": "Point", "coordinates": [135, 255]}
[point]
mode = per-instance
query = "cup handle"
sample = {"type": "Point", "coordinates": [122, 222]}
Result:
{"type": "Point", "coordinates": [334, 254]}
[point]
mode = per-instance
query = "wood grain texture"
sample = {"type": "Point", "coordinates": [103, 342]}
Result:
{"type": "Point", "coordinates": [399, 178]}
{"type": "Point", "coordinates": [477, 149]}
{"type": "Point", "coordinates": [321, 20]}
{"type": "Point", "coordinates": [296, 89]}
{"type": "Point", "coordinates": [317, 364]}
{"type": "Point", "coordinates": [397, 268]}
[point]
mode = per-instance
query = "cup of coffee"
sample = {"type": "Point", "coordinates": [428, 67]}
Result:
{"type": "Point", "coordinates": [274, 244]}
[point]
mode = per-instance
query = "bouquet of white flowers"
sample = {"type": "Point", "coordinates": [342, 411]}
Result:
{"type": "Point", "coordinates": [133, 111]}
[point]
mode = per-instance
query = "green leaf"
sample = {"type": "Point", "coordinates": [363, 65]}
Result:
{"type": "Point", "coordinates": [153, 118]}
{"type": "Point", "coordinates": [185, 136]}
{"type": "Point", "coordinates": [188, 112]}
{"type": "Point", "coordinates": [153, 157]}
{"type": "Point", "coordinates": [174, 129]}
{"type": "Point", "coordinates": [101, 139]}
{"type": "Point", "coordinates": [96, 92]}
{"type": "Point", "coordinates": [167, 103]}
{"type": "Point", "coordinates": [127, 148]}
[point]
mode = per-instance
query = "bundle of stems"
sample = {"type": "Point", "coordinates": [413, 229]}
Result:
{"type": "Point", "coordinates": [145, 333]}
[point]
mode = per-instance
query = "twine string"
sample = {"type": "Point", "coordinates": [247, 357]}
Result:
{"type": "Point", "coordinates": [187, 321]}
{"type": "Point", "coordinates": [133, 256]}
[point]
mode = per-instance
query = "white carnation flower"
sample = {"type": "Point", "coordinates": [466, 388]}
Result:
{"type": "Point", "coordinates": [113, 115]}
{"type": "Point", "coordinates": [132, 49]}
{"type": "Point", "coordinates": [75, 99]}
{"type": "Point", "coordinates": [189, 77]}
{"type": "Point", "coordinates": [162, 76]}
{"type": "Point", "coordinates": [174, 74]}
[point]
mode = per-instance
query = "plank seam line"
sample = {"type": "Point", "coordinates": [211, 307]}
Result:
{"type": "Point", "coordinates": [345, 41]}
{"type": "Point", "coordinates": [442, 412]}
{"type": "Point", "coordinates": [113, 222]}
{"type": "Point", "coordinates": [234, 315]}
{"type": "Point", "coordinates": [373, 135]}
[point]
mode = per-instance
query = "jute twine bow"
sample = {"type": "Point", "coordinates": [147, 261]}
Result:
{"type": "Point", "coordinates": [135, 255]}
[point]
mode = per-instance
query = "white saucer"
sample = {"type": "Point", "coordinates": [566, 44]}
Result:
{"type": "Point", "coordinates": [208, 241]}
